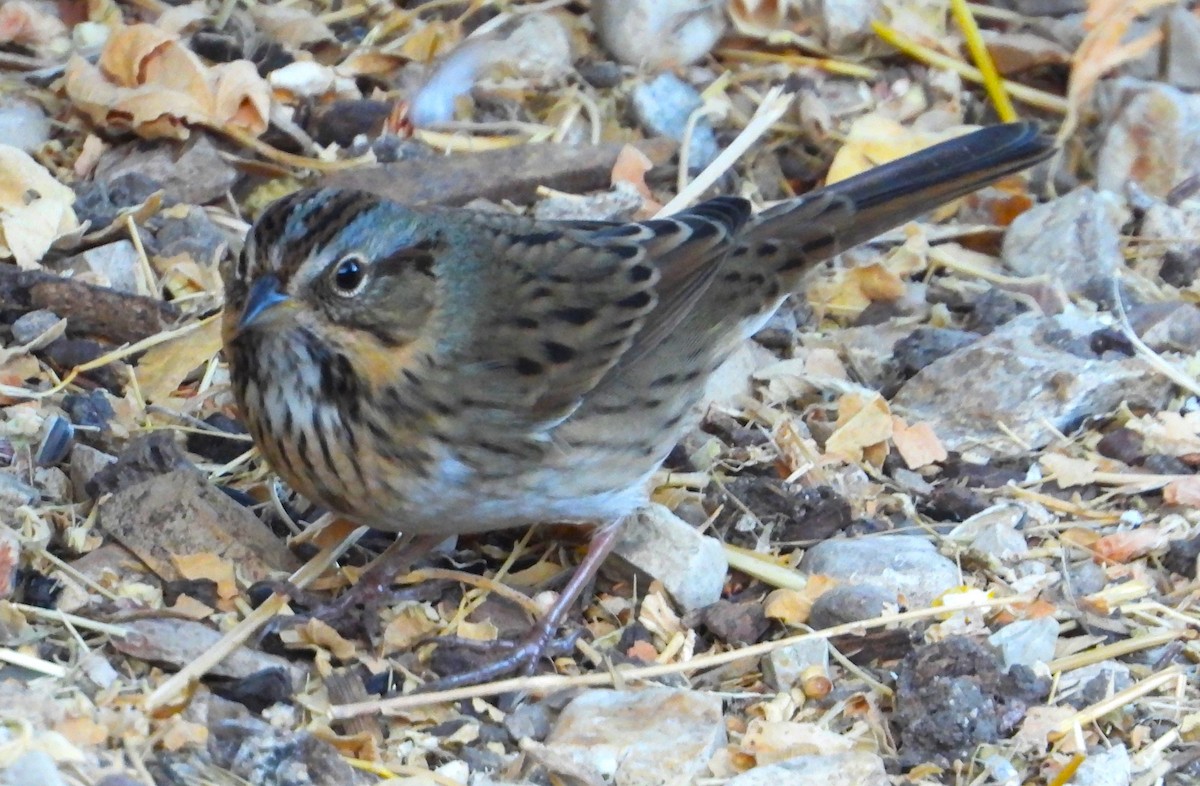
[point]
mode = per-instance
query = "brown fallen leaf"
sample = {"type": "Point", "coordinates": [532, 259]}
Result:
{"type": "Point", "coordinates": [149, 83]}
{"type": "Point", "coordinates": [862, 423]}
{"type": "Point", "coordinates": [163, 368]}
{"type": "Point", "coordinates": [35, 209]}
{"type": "Point", "coordinates": [917, 444]}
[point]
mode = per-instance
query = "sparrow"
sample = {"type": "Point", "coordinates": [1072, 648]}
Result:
{"type": "Point", "coordinates": [437, 371]}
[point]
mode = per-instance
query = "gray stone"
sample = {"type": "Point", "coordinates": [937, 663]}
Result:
{"type": "Point", "coordinates": [32, 767]}
{"type": "Point", "coordinates": [1174, 328]}
{"type": "Point", "coordinates": [965, 396]}
{"type": "Point", "coordinates": [785, 667]}
{"type": "Point", "coordinates": [1152, 140]}
{"type": "Point", "coordinates": [194, 234]}
{"type": "Point", "coordinates": [1110, 767]}
{"type": "Point", "coordinates": [194, 173]}
{"type": "Point", "coordinates": [835, 769]}
{"type": "Point", "coordinates": [32, 324]}
{"type": "Point", "coordinates": [849, 604]}
{"type": "Point", "coordinates": [1072, 239]}
{"type": "Point", "coordinates": [658, 33]}
{"type": "Point", "coordinates": [844, 26]}
{"type": "Point", "coordinates": [662, 108]}
{"type": "Point", "coordinates": [994, 532]}
{"type": "Point", "coordinates": [1026, 642]}
{"type": "Point", "coordinates": [660, 545]}
{"type": "Point", "coordinates": [15, 492]}
{"type": "Point", "coordinates": [116, 263]}
{"type": "Point", "coordinates": [639, 737]}
{"type": "Point", "coordinates": [903, 565]}
{"type": "Point", "coordinates": [85, 462]}
{"type": "Point", "coordinates": [23, 124]}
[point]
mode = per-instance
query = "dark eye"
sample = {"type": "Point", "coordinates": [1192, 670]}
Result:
{"type": "Point", "coordinates": [349, 275]}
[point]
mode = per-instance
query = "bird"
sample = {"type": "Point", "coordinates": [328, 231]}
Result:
{"type": "Point", "coordinates": [436, 371]}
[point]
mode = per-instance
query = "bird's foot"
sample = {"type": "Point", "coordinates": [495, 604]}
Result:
{"type": "Point", "coordinates": [501, 657]}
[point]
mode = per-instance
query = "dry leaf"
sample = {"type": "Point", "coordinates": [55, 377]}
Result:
{"type": "Point", "coordinates": [35, 209]}
{"type": "Point", "coordinates": [26, 24]}
{"type": "Point", "coordinates": [315, 634]}
{"type": "Point", "coordinates": [150, 83]}
{"type": "Point", "coordinates": [413, 623]}
{"type": "Point", "coordinates": [849, 294]}
{"type": "Point", "coordinates": [207, 565]}
{"type": "Point", "coordinates": [789, 606]}
{"type": "Point", "coordinates": [874, 139]}
{"type": "Point", "coordinates": [1124, 546]}
{"type": "Point", "coordinates": [918, 445]}
{"type": "Point", "coordinates": [1185, 491]}
{"type": "Point", "coordinates": [164, 367]}
{"type": "Point", "coordinates": [862, 422]}
{"type": "Point", "coordinates": [1068, 471]}
{"type": "Point", "coordinates": [291, 26]}
{"type": "Point", "coordinates": [759, 18]}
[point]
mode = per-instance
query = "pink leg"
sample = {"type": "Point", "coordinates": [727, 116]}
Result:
{"type": "Point", "coordinates": [524, 654]}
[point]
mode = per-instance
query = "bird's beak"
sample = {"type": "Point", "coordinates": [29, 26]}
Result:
{"type": "Point", "coordinates": [264, 296]}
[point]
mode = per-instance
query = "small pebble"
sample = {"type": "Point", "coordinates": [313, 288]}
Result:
{"type": "Point", "coordinates": [662, 107]}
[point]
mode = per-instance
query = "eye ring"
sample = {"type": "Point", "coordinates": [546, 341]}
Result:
{"type": "Point", "coordinates": [349, 275]}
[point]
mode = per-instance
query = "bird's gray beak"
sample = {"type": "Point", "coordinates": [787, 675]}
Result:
{"type": "Point", "coordinates": [263, 297]}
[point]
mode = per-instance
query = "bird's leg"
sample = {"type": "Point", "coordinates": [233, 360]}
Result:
{"type": "Point", "coordinates": [374, 584]}
{"type": "Point", "coordinates": [525, 653]}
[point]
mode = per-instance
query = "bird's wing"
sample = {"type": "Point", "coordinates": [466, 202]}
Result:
{"type": "Point", "coordinates": [543, 310]}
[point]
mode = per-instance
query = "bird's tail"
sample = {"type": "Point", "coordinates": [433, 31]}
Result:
{"type": "Point", "coordinates": [830, 220]}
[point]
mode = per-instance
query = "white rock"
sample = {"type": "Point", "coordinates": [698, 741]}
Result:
{"type": "Point", "coordinates": [23, 124]}
{"type": "Point", "coordinates": [839, 769]}
{"type": "Point", "coordinates": [784, 667]}
{"type": "Point", "coordinates": [117, 263]}
{"type": "Point", "coordinates": [903, 565]}
{"type": "Point", "coordinates": [1026, 642]}
{"type": "Point", "coordinates": [1106, 768]}
{"type": "Point", "coordinates": [1072, 239]}
{"type": "Point", "coordinates": [662, 546]}
{"type": "Point", "coordinates": [658, 33]}
{"type": "Point", "coordinates": [639, 737]}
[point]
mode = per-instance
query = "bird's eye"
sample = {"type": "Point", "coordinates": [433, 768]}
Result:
{"type": "Point", "coordinates": [349, 275]}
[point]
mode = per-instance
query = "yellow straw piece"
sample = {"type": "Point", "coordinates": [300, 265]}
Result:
{"type": "Point", "coordinates": [983, 61]}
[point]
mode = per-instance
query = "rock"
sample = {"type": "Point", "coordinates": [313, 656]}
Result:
{"type": "Point", "coordinates": [1171, 327]}
{"type": "Point", "coordinates": [116, 265]}
{"type": "Point", "coordinates": [1152, 140]}
{"type": "Point", "coordinates": [682, 31]}
{"type": "Point", "coordinates": [869, 350]}
{"type": "Point", "coordinates": [1181, 556]}
{"type": "Point", "coordinates": [953, 696]}
{"type": "Point", "coordinates": [925, 345]}
{"type": "Point", "coordinates": [844, 26]}
{"type": "Point", "coordinates": [905, 566]}
{"type": "Point", "coordinates": [662, 108]}
{"type": "Point", "coordinates": [735, 377]}
{"type": "Point", "coordinates": [530, 720]}
{"type": "Point", "coordinates": [194, 173]}
{"type": "Point", "coordinates": [849, 604]}
{"type": "Point", "coordinates": [965, 394]}
{"type": "Point", "coordinates": [15, 492]}
{"type": "Point", "coordinates": [785, 668]}
{"type": "Point", "coordinates": [662, 546]}
{"type": "Point", "coordinates": [32, 325]}
{"type": "Point", "coordinates": [994, 532]}
{"type": "Point", "coordinates": [10, 560]}
{"type": "Point", "coordinates": [34, 766]}
{"type": "Point", "coordinates": [193, 234]}
{"type": "Point", "coordinates": [23, 124]}
{"type": "Point", "coordinates": [1093, 683]}
{"type": "Point", "coordinates": [1071, 240]}
{"type": "Point", "coordinates": [265, 756]}
{"type": "Point", "coordinates": [639, 737]}
{"type": "Point", "coordinates": [736, 623]}
{"type": "Point", "coordinates": [1110, 767]}
{"type": "Point", "coordinates": [837, 769]}
{"type": "Point", "coordinates": [180, 513]}
{"type": "Point", "coordinates": [1027, 642]}
{"type": "Point", "coordinates": [86, 463]}
{"type": "Point", "coordinates": [1170, 229]}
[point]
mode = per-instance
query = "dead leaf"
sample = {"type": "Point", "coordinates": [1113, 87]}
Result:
{"type": "Point", "coordinates": [1068, 471]}
{"type": "Point", "coordinates": [918, 445]}
{"type": "Point", "coordinates": [318, 635]}
{"type": "Point", "coordinates": [1122, 547]}
{"type": "Point", "coordinates": [1185, 491]}
{"type": "Point", "coordinates": [164, 367]}
{"type": "Point", "coordinates": [207, 565]}
{"type": "Point", "coordinates": [35, 209]}
{"type": "Point", "coordinates": [874, 139]}
{"type": "Point", "coordinates": [774, 741]}
{"type": "Point", "coordinates": [631, 167]}
{"type": "Point", "coordinates": [413, 623]}
{"type": "Point", "coordinates": [862, 422]}
{"type": "Point", "coordinates": [149, 83]}
{"type": "Point", "coordinates": [29, 25]}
